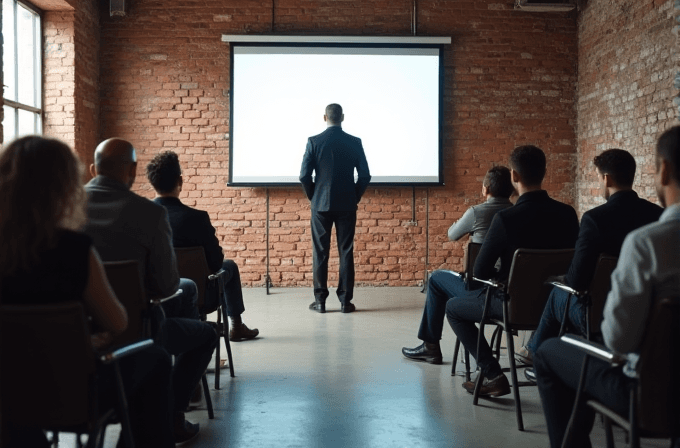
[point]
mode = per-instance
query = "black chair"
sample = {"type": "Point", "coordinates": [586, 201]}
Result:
{"type": "Point", "coordinates": [469, 262]}
{"type": "Point", "coordinates": [523, 300]}
{"type": "Point", "coordinates": [192, 264]}
{"type": "Point", "coordinates": [56, 338]}
{"type": "Point", "coordinates": [126, 282]}
{"type": "Point", "coordinates": [654, 409]}
{"type": "Point", "coordinates": [594, 298]}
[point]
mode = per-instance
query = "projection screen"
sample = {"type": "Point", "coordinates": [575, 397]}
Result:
{"type": "Point", "coordinates": [391, 94]}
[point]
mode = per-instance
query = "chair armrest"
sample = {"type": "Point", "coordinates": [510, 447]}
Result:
{"type": "Point", "coordinates": [165, 299]}
{"type": "Point", "coordinates": [108, 358]}
{"type": "Point", "coordinates": [598, 351]}
{"type": "Point", "coordinates": [216, 274]}
{"type": "Point", "coordinates": [492, 283]}
{"type": "Point", "coordinates": [566, 288]}
{"type": "Point", "coordinates": [457, 274]}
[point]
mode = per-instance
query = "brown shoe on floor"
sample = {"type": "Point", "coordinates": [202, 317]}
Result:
{"type": "Point", "coordinates": [496, 387]}
{"type": "Point", "coordinates": [241, 332]}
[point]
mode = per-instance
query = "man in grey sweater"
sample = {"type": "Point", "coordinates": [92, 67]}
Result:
{"type": "Point", "coordinates": [442, 285]}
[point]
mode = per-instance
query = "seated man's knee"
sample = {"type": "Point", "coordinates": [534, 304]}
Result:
{"type": "Point", "coordinates": [189, 289]}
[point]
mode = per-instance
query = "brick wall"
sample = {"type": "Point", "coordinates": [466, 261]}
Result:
{"type": "Point", "coordinates": [71, 76]}
{"type": "Point", "coordinates": [625, 92]}
{"type": "Point", "coordinates": [510, 80]}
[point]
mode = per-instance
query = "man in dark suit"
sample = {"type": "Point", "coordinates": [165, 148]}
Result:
{"type": "Point", "coordinates": [191, 227]}
{"type": "Point", "coordinates": [536, 221]}
{"type": "Point", "coordinates": [603, 230]}
{"type": "Point", "coordinates": [332, 156]}
{"type": "Point", "coordinates": [126, 226]}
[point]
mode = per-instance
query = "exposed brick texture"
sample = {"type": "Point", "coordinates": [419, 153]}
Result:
{"type": "Point", "coordinates": [625, 91]}
{"type": "Point", "coordinates": [510, 79]}
{"type": "Point", "coordinates": [563, 81]}
{"type": "Point", "coordinates": [71, 75]}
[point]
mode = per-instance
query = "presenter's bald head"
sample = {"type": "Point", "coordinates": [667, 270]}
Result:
{"type": "Point", "coordinates": [115, 158]}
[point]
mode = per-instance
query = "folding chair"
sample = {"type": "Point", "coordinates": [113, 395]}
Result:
{"type": "Point", "coordinates": [523, 300]}
{"type": "Point", "coordinates": [193, 265]}
{"type": "Point", "coordinates": [126, 282]}
{"type": "Point", "coordinates": [56, 338]}
{"type": "Point", "coordinates": [654, 409]}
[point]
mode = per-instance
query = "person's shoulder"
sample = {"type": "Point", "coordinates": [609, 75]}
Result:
{"type": "Point", "coordinates": [649, 207]}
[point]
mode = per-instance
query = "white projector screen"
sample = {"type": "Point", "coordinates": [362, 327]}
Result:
{"type": "Point", "coordinates": [391, 98]}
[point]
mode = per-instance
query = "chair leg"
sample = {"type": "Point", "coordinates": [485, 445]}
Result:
{"type": "Point", "coordinates": [633, 418]}
{"type": "Point", "coordinates": [566, 441]}
{"type": "Point", "coordinates": [467, 365]}
{"type": "Point", "coordinates": [498, 343]}
{"type": "Point", "coordinates": [226, 340]}
{"type": "Point", "coordinates": [455, 357]}
{"type": "Point", "coordinates": [608, 432]}
{"type": "Point", "coordinates": [217, 353]}
{"type": "Point", "coordinates": [208, 400]}
{"type": "Point", "coordinates": [480, 376]}
{"type": "Point", "coordinates": [509, 340]}
{"type": "Point", "coordinates": [123, 408]}
{"type": "Point", "coordinates": [565, 317]}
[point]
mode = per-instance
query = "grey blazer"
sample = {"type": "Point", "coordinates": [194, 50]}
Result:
{"type": "Point", "coordinates": [126, 226]}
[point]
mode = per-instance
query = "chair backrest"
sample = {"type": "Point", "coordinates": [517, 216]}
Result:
{"type": "Point", "coordinates": [658, 391]}
{"type": "Point", "coordinates": [46, 365]}
{"type": "Point", "coordinates": [526, 285]}
{"type": "Point", "coordinates": [192, 264]}
{"type": "Point", "coordinates": [599, 288]}
{"type": "Point", "coordinates": [470, 257]}
{"type": "Point", "coordinates": [126, 282]}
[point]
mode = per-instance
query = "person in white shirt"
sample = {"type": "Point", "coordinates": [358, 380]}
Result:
{"type": "Point", "coordinates": [648, 269]}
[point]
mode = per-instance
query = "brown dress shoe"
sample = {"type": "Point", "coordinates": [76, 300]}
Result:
{"type": "Point", "coordinates": [496, 387]}
{"type": "Point", "coordinates": [241, 332]}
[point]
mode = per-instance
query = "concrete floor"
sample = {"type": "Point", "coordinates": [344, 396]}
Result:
{"type": "Point", "coordinates": [336, 380]}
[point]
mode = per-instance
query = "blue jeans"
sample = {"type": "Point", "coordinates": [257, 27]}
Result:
{"type": "Point", "coordinates": [549, 326]}
{"type": "Point", "coordinates": [442, 286]}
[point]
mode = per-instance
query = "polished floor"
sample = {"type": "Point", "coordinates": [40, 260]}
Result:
{"type": "Point", "coordinates": [339, 380]}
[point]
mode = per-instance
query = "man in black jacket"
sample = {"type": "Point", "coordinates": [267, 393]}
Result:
{"type": "Point", "coordinates": [603, 230]}
{"type": "Point", "coordinates": [191, 227]}
{"type": "Point", "coordinates": [536, 221]}
{"type": "Point", "coordinates": [332, 156]}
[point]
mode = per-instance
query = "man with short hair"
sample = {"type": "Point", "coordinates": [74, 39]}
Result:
{"type": "Point", "coordinates": [333, 156]}
{"type": "Point", "coordinates": [442, 284]}
{"type": "Point", "coordinates": [648, 269]}
{"type": "Point", "coordinates": [125, 226]}
{"type": "Point", "coordinates": [603, 230]}
{"type": "Point", "coordinates": [536, 221]}
{"type": "Point", "coordinates": [192, 227]}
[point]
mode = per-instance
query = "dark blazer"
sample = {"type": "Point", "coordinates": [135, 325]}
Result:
{"type": "Point", "coordinates": [333, 155]}
{"type": "Point", "coordinates": [191, 227]}
{"type": "Point", "coordinates": [603, 230]}
{"type": "Point", "coordinates": [536, 221]}
{"type": "Point", "coordinates": [126, 226]}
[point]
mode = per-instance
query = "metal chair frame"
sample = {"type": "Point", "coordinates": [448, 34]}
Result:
{"type": "Point", "coordinates": [190, 259]}
{"type": "Point", "coordinates": [121, 276]}
{"type": "Point", "coordinates": [554, 262]}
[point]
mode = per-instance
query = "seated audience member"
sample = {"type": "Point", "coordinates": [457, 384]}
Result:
{"type": "Point", "coordinates": [536, 221]}
{"type": "Point", "coordinates": [191, 227]}
{"type": "Point", "coordinates": [46, 260]}
{"type": "Point", "coordinates": [648, 269]}
{"type": "Point", "coordinates": [496, 189]}
{"type": "Point", "coordinates": [442, 285]}
{"type": "Point", "coordinates": [602, 232]}
{"type": "Point", "coordinates": [125, 226]}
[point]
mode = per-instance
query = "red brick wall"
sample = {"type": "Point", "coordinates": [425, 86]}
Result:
{"type": "Point", "coordinates": [71, 76]}
{"type": "Point", "coordinates": [510, 79]}
{"type": "Point", "coordinates": [625, 74]}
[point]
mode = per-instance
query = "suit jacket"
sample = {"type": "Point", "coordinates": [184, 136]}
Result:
{"type": "Point", "coordinates": [191, 227]}
{"type": "Point", "coordinates": [334, 155]}
{"type": "Point", "coordinates": [536, 221]}
{"type": "Point", "coordinates": [603, 230]}
{"type": "Point", "coordinates": [126, 226]}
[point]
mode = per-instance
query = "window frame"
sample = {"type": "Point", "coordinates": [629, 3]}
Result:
{"type": "Point", "coordinates": [38, 84]}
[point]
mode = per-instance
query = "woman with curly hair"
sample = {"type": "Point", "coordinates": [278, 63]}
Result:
{"type": "Point", "coordinates": [46, 260]}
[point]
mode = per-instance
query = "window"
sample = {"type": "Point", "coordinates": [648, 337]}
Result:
{"type": "Point", "coordinates": [22, 77]}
